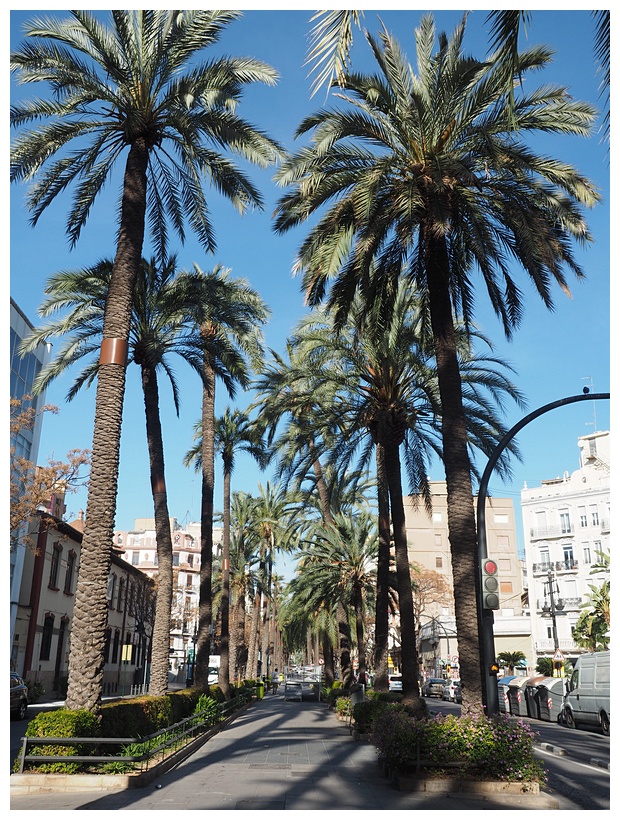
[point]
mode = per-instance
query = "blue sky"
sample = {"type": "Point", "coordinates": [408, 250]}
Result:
{"type": "Point", "coordinates": [555, 354]}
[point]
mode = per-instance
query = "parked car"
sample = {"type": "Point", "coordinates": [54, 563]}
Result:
{"type": "Point", "coordinates": [587, 702]}
{"type": "Point", "coordinates": [433, 688]}
{"type": "Point", "coordinates": [395, 683]}
{"type": "Point", "coordinates": [452, 691]}
{"type": "Point", "coordinates": [19, 697]}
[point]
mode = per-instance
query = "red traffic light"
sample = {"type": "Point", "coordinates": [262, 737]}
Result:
{"type": "Point", "coordinates": [490, 567]}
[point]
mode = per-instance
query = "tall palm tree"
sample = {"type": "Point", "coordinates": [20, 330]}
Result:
{"type": "Point", "coordinates": [136, 88]}
{"type": "Point", "coordinates": [337, 563]}
{"type": "Point", "coordinates": [425, 175]}
{"type": "Point", "coordinates": [385, 381]}
{"type": "Point", "coordinates": [158, 328]}
{"type": "Point", "coordinates": [234, 433]}
{"type": "Point", "coordinates": [228, 315]}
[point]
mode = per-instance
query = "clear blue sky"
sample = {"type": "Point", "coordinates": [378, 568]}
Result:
{"type": "Point", "coordinates": [555, 354]}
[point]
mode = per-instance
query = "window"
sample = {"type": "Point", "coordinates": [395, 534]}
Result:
{"type": "Point", "coordinates": [175, 559]}
{"type": "Point", "coordinates": [594, 516]}
{"type": "Point", "coordinates": [500, 518]}
{"type": "Point", "coordinates": [46, 639]}
{"type": "Point", "coordinates": [111, 589]}
{"type": "Point", "coordinates": [69, 573]}
{"type": "Point", "coordinates": [544, 558]}
{"type": "Point", "coordinates": [503, 541]}
{"type": "Point", "coordinates": [568, 555]}
{"type": "Point", "coordinates": [583, 518]}
{"type": "Point", "coordinates": [587, 559]}
{"type": "Point", "coordinates": [565, 526]}
{"type": "Point", "coordinates": [121, 595]}
{"type": "Point", "coordinates": [505, 587]}
{"type": "Point", "coordinates": [438, 562]}
{"type": "Point", "coordinates": [437, 517]}
{"type": "Point", "coordinates": [135, 558]}
{"type": "Point", "coordinates": [117, 637]}
{"type": "Point", "coordinates": [55, 566]}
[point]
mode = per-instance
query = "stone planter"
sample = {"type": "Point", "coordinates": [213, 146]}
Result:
{"type": "Point", "coordinates": [441, 785]}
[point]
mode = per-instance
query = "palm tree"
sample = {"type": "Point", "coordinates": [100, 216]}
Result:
{"type": "Point", "coordinates": [158, 328]}
{"type": "Point", "coordinates": [228, 315]}
{"type": "Point", "coordinates": [234, 433]}
{"type": "Point", "coordinates": [385, 384]}
{"type": "Point", "coordinates": [337, 563]}
{"type": "Point", "coordinates": [511, 659]}
{"type": "Point", "coordinates": [132, 87]}
{"type": "Point", "coordinates": [425, 175]}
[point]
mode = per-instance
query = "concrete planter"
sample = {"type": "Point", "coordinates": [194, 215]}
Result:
{"type": "Point", "coordinates": [443, 785]}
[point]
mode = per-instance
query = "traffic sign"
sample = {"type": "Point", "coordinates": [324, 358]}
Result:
{"type": "Point", "coordinates": [558, 656]}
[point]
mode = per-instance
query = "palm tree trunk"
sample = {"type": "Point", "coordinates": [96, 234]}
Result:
{"type": "Point", "coordinates": [163, 607]}
{"type": "Point", "coordinates": [90, 613]}
{"type": "Point", "coordinates": [205, 607]}
{"type": "Point", "coordinates": [224, 675]}
{"type": "Point", "coordinates": [461, 518]}
{"type": "Point", "coordinates": [382, 622]}
{"type": "Point", "coordinates": [328, 659]}
{"type": "Point", "coordinates": [409, 654]}
{"type": "Point", "coordinates": [359, 634]}
{"type": "Point", "coordinates": [253, 640]}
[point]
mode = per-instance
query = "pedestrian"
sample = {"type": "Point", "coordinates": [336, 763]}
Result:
{"type": "Point", "coordinates": [275, 680]}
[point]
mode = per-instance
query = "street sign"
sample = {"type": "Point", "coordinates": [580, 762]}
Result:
{"type": "Point", "coordinates": [558, 656]}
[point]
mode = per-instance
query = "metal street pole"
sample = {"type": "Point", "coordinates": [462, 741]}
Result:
{"type": "Point", "coordinates": [485, 616]}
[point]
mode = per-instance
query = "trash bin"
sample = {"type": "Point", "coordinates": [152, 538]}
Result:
{"type": "Point", "coordinates": [516, 696]}
{"type": "Point", "coordinates": [357, 693]}
{"type": "Point", "coordinates": [532, 696]}
{"type": "Point", "coordinates": [502, 693]}
{"type": "Point", "coordinates": [260, 689]}
{"type": "Point", "coordinates": [551, 697]}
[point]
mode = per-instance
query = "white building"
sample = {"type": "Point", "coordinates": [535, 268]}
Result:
{"type": "Point", "coordinates": [24, 370]}
{"type": "Point", "coordinates": [140, 550]}
{"type": "Point", "coordinates": [565, 524]}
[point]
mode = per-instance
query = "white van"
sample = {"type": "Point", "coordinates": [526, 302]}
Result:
{"type": "Point", "coordinates": [587, 700]}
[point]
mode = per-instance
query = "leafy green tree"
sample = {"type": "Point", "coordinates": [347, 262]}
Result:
{"type": "Point", "coordinates": [424, 174]}
{"type": "Point", "coordinates": [133, 88]}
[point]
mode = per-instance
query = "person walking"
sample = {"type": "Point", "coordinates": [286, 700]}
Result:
{"type": "Point", "coordinates": [275, 680]}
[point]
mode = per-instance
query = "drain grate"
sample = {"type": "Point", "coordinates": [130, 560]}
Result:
{"type": "Point", "coordinates": [270, 766]}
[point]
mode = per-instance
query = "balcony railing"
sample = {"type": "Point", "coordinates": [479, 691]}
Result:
{"type": "Point", "coordinates": [568, 565]}
{"type": "Point", "coordinates": [561, 605]}
{"type": "Point", "coordinates": [552, 531]}
{"type": "Point", "coordinates": [546, 645]}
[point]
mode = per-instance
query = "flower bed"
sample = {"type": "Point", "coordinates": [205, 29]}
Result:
{"type": "Point", "coordinates": [445, 746]}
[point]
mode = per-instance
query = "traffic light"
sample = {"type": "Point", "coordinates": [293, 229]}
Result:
{"type": "Point", "coordinates": [490, 585]}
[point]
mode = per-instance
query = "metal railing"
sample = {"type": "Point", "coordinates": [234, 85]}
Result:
{"type": "Point", "coordinates": [149, 747]}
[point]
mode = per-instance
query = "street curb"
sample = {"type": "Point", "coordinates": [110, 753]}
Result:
{"type": "Point", "coordinates": [561, 752]}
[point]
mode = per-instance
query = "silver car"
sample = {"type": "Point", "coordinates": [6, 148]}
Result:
{"type": "Point", "coordinates": [433, 688]}
{"type": "Point", "coordinates": [395, 683]}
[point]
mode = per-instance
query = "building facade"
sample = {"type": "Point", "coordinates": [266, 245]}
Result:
{"type": "Point", "coordinates": [566, 523]}
{"type": "Point", "coordinates": [25, 443]}
{"type": "Point", "coordinates": [42, 636]}
{"type": "Point", "coordinates": [140, 550]}
{"type": "Point", "coordinates": [429, 549]}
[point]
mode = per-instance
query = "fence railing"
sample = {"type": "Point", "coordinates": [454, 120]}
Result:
{"type": "Point", "coordinates": [148, 748]}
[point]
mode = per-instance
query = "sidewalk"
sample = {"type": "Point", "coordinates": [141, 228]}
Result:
{"type": "Point", "coordinates": [278, 756]}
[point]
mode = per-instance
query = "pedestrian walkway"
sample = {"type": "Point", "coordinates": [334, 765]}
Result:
{"type": "Point", "coordinates": [278, 756]}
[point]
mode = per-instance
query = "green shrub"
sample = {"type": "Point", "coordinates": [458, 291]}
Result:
{"type": "Point", "coordinates": [343, 706]}
{"type": "Point", "coordinates": [488, 748]}
{"type": "Point", "coordinates": [63, 723]}
{"type": "Point", "coordinates": [365, 712]}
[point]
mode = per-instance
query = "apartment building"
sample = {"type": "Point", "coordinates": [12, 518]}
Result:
{"type": "Point", "coordinates": [566, 523]}
{"type": "Point", "coordinates": [139, 547]}
{"type": "Point", "coordinates": [429, 548]}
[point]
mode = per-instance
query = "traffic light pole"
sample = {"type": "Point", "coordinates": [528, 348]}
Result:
{"type": "Point", "coordinates": [485, 616]}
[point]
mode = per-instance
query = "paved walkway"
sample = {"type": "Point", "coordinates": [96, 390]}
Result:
{"type": "Point", "coordinates": [278, 756]}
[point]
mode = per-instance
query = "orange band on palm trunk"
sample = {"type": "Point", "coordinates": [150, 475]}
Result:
{"type": "Point", "coordinates": [113, 351]}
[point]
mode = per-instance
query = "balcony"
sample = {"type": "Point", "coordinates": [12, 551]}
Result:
{"type": "Point", "coordinates": [561, 605]}
{"type": "Point", "coordinates": [536, 533]}
{"type": "Point", "coordinates": [565, 646]}
{"type": "Point", "coordinates": [568, 565]}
